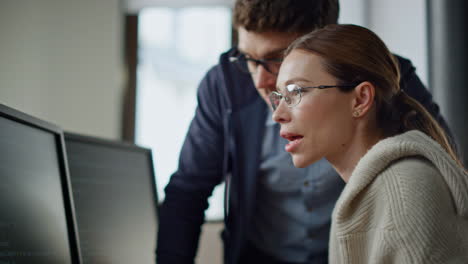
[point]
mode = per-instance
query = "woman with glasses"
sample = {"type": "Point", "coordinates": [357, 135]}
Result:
{"type": "Point", "coordinates": [406, 197]}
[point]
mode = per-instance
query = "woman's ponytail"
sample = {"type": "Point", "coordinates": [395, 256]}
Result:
{"type": "Point", "coordinates": [414, 116]}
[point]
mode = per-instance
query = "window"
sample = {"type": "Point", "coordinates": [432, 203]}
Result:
{"type": "Point", "coordinates": [177, 46]}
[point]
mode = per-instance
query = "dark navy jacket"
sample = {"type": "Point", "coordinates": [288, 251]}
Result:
{"type": "Point", "coordinates": [224, 143]}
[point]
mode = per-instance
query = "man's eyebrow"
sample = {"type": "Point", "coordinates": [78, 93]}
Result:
{"type": "Point", "coordinates": [273, 53]}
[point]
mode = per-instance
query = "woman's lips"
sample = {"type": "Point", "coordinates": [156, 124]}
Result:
{"type": "Point", "coordinates": [294, 141]}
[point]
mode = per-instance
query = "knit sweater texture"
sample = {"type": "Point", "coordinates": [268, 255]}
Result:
{"type": "Point", "coordinates": [405, 202]}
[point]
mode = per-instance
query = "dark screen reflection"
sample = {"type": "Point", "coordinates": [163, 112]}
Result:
{"type": "Point", "coordinates": [115, 202]}
{"type": "Point", "coordinates": [32, 214]}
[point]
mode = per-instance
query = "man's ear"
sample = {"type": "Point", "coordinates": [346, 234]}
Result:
{"type": "Point", "coordinates": [364, 95]}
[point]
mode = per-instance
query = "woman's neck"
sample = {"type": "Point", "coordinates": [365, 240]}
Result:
{"type": "Point", "coordinates": [345, 160]}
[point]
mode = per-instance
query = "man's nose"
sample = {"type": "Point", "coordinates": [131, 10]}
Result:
{"type": "Point", "coordinates": [264, 79]}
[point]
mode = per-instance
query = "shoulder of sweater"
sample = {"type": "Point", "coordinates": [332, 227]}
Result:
{"type": "Point", "coordinates": [396, 156]}
{"type": "Point", "coordinates": [395, 150]}
{"type": "Point", "coordinates": [417, 169]}
{"type": "Point", "coordinates": [407, 181]}
{"type": "Point", "coordinates": [415, 187]}
{"type": "Point", "coordinates": [400, 176]}
{"type": "Point", "coordinates": [415, 175]}
{"type": "Point", "coordinates": [405, 190]}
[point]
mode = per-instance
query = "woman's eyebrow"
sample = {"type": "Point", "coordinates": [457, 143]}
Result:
{"type": "Point", "coordinates": [291, 81]}
{"type": "Point", "coordinates": [297, 79]}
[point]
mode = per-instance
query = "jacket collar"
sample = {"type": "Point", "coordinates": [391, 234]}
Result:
{"type": "Point", "coordinates": [249, 128]}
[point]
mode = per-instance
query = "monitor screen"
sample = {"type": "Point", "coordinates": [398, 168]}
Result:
{"type": "Point", "coordinates": [115, 200]}
{"type": "Point", "coordinates": [36, 219]}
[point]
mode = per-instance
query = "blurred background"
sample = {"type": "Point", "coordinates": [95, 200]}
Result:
{"type": "Point", "coordinates": [129, 69]}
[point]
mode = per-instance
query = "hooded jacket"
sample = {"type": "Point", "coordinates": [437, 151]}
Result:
{"type": "Point", "coordinates": [405, 202]}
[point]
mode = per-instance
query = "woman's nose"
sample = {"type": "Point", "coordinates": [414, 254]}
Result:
{"type": "Point", "coordinates": [281, 114]}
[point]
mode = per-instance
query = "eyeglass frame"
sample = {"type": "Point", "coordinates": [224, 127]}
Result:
{"type": "Point", "coordinates": [299, 90]}
{"type": "Point", "coordinates": [264, 62]}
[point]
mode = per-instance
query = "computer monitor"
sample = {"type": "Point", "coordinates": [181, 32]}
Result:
{"type": "Point", "coordinates": [36, 210]}
{"type": "Point", "coordinates": [115, 198]}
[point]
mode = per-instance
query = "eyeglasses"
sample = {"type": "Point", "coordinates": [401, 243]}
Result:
{"type": "Point", "coordinates": [293, 94]}
{"type": "Point", "coordinates": [250, 65]}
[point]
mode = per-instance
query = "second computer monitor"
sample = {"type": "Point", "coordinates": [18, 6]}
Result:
{"type": "Point", "coordinates": [115, 199]}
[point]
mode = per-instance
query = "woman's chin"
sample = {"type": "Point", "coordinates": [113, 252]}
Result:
{"type": "Point", "coordinates": [299, 161]}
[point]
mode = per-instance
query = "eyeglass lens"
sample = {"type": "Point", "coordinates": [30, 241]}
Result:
{"type": "Point", "coordinates": [249, 65]}
{"type": "Point", "coordinates": [270, 66]}
{"type": "Point", "coordinates": [275, 99]}
{"type": "Point", "coordinates": [292, 96]}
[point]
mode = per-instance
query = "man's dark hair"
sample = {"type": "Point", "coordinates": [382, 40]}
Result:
{"type": "Point", "coordinates": [298, 16]}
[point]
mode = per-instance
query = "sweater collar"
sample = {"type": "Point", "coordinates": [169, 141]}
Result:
{"type": "Point", "coordinates": [411, 143]}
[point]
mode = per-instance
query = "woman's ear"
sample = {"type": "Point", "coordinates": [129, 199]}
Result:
{"type": "Point", "coordinates": [364, 95]}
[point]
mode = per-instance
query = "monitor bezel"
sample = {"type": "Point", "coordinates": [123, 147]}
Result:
{"type": "Point", "coordinates": [119, 145]}
{"type": "Point", "coordinates": [28, 120]}
{"type": "Point", "coordinates": [87, 139]}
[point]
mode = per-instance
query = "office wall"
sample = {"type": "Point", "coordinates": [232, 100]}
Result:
{"type": "Point", "coordinates": [62, 61]}
{"type": "Point", "coordinates": [400, 23]}
{"type": "Point", "coordinates": [402, 26]}
{"type": "Point", "coordinates": [210, 250]}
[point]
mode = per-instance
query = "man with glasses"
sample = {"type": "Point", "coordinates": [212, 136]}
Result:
{"type": "Point", "coordinates": [274, 212]}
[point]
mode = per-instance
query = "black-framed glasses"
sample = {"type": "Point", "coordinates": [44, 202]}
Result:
{"type": "Point", "coordinates": [250, 65]}
{"type": "Point", "coordinates": [293, 94]}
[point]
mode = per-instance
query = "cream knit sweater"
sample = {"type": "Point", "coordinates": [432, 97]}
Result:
{"type": "Point", "coordinates": [406, 202]}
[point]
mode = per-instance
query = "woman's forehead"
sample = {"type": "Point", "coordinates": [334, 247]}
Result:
{"type": "Point", "coordinates": [301, 67]}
